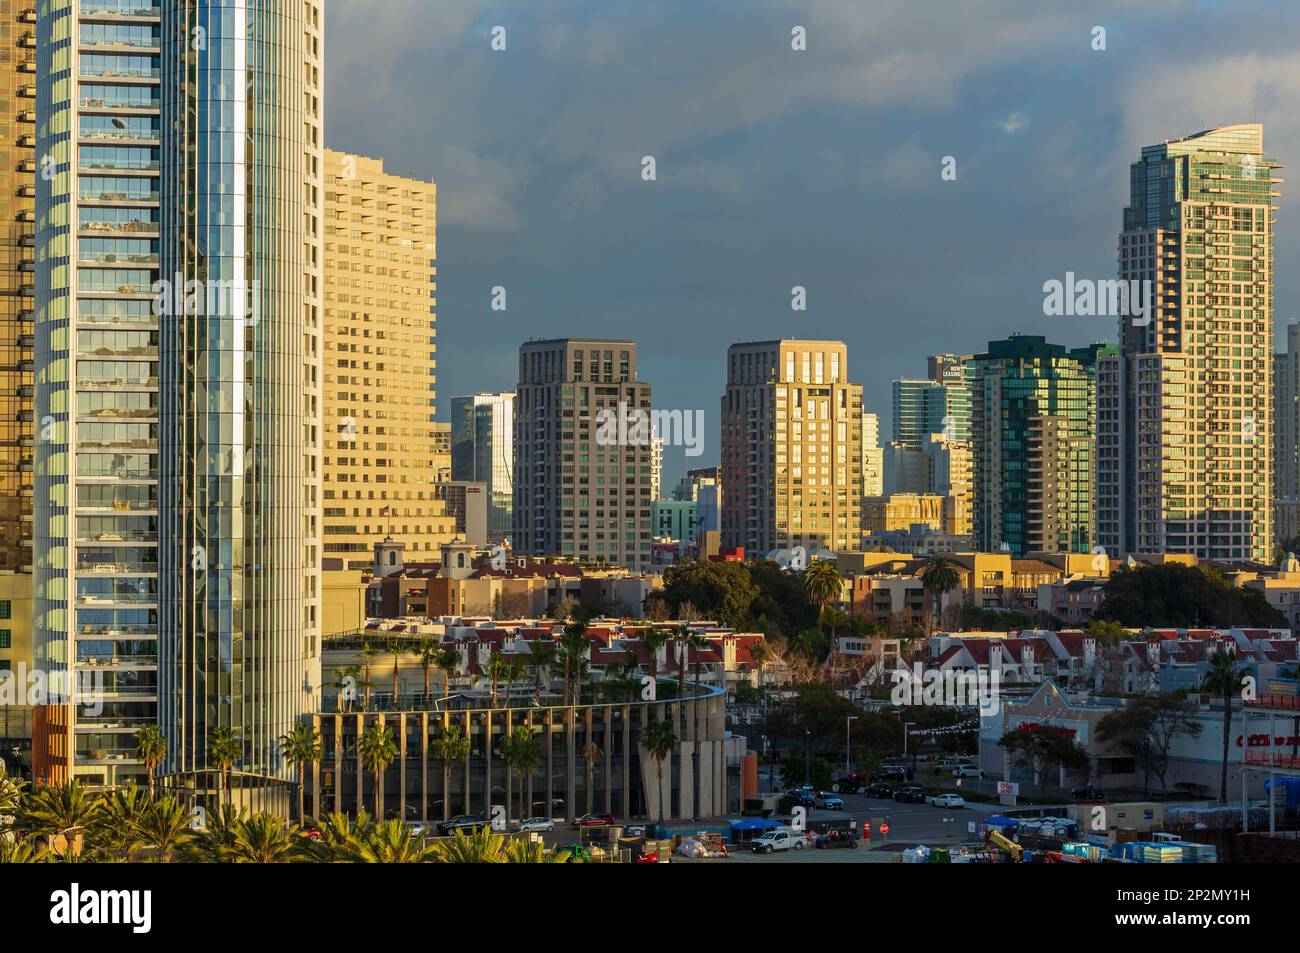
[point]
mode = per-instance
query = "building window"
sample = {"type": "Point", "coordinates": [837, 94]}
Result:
{"type": "Point", "coordinates": [6, 640]}
{"type": "Point", "coordinates": [5, 609]}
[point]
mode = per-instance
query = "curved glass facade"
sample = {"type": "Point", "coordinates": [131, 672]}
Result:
{"type": "Point", "coordinates": [239, 381]}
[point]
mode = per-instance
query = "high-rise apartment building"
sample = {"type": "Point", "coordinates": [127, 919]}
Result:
{"type": "Point", "coordinates": [1286, 434]}
{"type": "Point", "coordinates": [583, 431]}
{"type": "Point", "coordinates": [873, 456]}
{"type": "Point", "coordinates": [17, 277]}
{"type": "Point", "coordinates": [381, 277]}
{"type": "Point", "coordinates": [791, 447]}
{"type": "Point", "coordinates": [939, 404]}
{"type": "Point", "coordinates": [1185, 441]}
{"type": "Point", "coordinates": [178, 374]}
{"type": "Point", "coordinates": [1033, 406]}
{"type": "Point", "coordinates": [482, 450]}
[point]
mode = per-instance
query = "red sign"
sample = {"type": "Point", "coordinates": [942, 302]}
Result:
{"type": "Point", "coordinates": [884, 828]}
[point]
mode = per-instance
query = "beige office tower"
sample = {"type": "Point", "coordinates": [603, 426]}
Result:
{"type": "Point", "coordinates": [583, 450]}
{"type": "Point", "coordinates": [1185, 419]}
{"type": "Point", "coordinates": [791, 447]}
{"type": "Point", "coordinates": [384, 454]}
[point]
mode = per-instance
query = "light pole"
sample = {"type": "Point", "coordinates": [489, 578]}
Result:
{"type": "Point", "coordinates": [807, 757]}
{"type": "Point", "coordinates": [906, 725]}
{"type": "Point", "coordinates": [848, 744]}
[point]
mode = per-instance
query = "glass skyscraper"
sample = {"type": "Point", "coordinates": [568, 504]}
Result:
{"type": "Point", "coordinates": [178, 372]}
{"type": "Point", "coordinates": [482, 451]}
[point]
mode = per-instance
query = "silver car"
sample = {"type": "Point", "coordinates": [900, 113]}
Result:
{"type": "Point", "coordinates": [535, 824]}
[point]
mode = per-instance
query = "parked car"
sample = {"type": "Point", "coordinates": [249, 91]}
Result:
{"type": "Point", "coordinates": [420, 829]}
{"type": "Point", "coordinates": [835, 839]}
{"type": "Point", "coordinates": [880, 790]}
{"type": "Point", "coordinates": [896, 773]}
{"type": "Point", "coordinates": [830, 802]}
{"type": "Point", "coordinates": [778, 838]}
{"type": "Point", "coordinates": [967, 771]}
{"type": "Point", "coordinates": [466, 823]}
{"type": "Point", "coordinates": [799, 797]}
{"type": "Point", "coordinates": [535, 824]}
{"type": "Point", "coordinates": [910, 795]}
{"type": "Point", "coordinates": [1086, 792]}
{"type": "Point", "coordinates": [948, 800]}
{"type": "Point", "coordinates": [599, 819]}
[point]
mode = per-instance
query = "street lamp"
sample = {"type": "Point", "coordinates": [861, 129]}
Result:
{"type": "Point", "coordinates": [906, 725]}
{"type": "Point", "coordinates": [848, 743]}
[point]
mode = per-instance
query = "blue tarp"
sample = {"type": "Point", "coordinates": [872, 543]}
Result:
{"type": "Point", "coordinates": [755, 824]}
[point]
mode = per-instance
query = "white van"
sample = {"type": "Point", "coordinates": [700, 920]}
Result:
{"type": "Point", "coordinates": [778, 838]}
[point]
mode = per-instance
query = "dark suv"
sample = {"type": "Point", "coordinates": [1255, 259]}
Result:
{"type": "Point", "coordinates": [467, 823]}
{"type": "Point", "coordinates": [910, 795]}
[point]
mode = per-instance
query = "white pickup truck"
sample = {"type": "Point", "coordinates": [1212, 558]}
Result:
{"type": "Point", "coordinates": [779, 838]}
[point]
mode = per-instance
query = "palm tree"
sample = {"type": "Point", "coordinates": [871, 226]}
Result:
{"type": "Point", "coordinates": [11, 796]}
{"type": "Point", "coordinates": [939, 576]}
{"type": "Point", "coordinates": [591, 756]}
{"type": "Point", "coordinates": [654, 639]}
{"type": "Point", "coordinates": [265, 839]}
{"type": "Point", "coordinates": [345, 682]}
{"type": "Point", "coordinates": [573, 647]}
{"type": "Point", "coordinates": [22, 852]}
{"type": "Point", "coordinates": [378, 750]}
{"type": "Point", "coordinates": [659, 739]}
{"type": "Point", "coordinates": [514, 670]}
{"type": "Point", "coordinates": [301, 745]}
{"type": "Point", "coordinates": [342, 838]}
{"type": "Point", "coordinates": [114, 828]}
{"type": "Point", "coordinates": [450, 747]}
{"type": "Point", "coordinates": [823, 583]}
{"type": "Point", "coordinates": [495, 669]}
{"type": "Point", "coordinates": [428, 651]}
{"type": "Point", "coordinates": [1224, 680]}
{"type": "Point", "coordinates": [61, 811]}
{"type": "Point", "coordinates": [484, 846]}
{"type": "Point", "coordinates": [522, 753]}
{"type": "Point", "coordinates": [521, 851]}
{"type": "Point", "coordinates": [541, 656]}
{"type": "Point", "coordinates": [448, 663]}
{"type": "Point", "coordinates": [164, 828]}
{"type": "Point", "coordinates": [217, 839]}
{"type": "Point", "coordinates": [395, 647]}
{"type": "Point", "coordinates": [367, 656]}
{"type": "Point", "coordinates": [392, 842]}
{"type": "Point", "coordinates": [151, 748]}
{"type": "Point", "coordinates": [224, 750]}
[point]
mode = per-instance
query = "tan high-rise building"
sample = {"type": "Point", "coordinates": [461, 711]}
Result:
{"type": "Point", "coordinates": [383, 451]}
{"type": "Point", "coordinates": [791, 447]}
{"type": "Point", "coordinates": [1185, 410]}
{"type": "Point", "coordinates": [17, 197]}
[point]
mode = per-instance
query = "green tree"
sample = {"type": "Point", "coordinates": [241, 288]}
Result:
{"type": "Point", "coordinates": [1176, 596]}
{"type": "Point", "coordinates": [723, 591]}
{"type": "Point", "coordinates": [658, 738]}
{"type": "Point", "coordinates": [484, 846]}
{"type": "Point", "coordinates": [939, 576]}
{"type": "Point", "coordinates": [392, 842]}
{"type": "Point", "coordinates": [224, 749]}
{"type": "Point", "coordinates": [541, 656]}
{"type": "Point", "coordinates": [396, 648]}
{"type": "Point", "coordinates": [367, 656]}
{"type": "Point", "coordinates": [301, 746]}
{"type": "Point", "coordinates": [164, 829]}
{"type": "Point", "coordinates": [1042, 749]}
{"type": "Point", "coordinates": [448, 662]}
{"type": "Point", "coordinates": [450, 747]}
{"type": "Point", "coordinates": [1145, 730]}
{"type": "Point", "coordinates": [113, 830]}
{"type": "Point", "coordinates": [343, 838]}
{"type": "Point", "coordinates": [377, 750]}
{"type": "Point", "coordinates": [60, 812]}
{"type": "Point", "coordinates": [823, 583]}
{"type": "Point", "coordinates": [151, 748]}
{"type": "Point", "coordinates": [265, 839]}
{"type": "Point", "coordinates": [1224, 679]}
{"type": "Point", "coordinates": [496, 669]}
{"type": "Point", "coordinates": [522, 753]}
{"type": "Point", "coordinates": [428, 651]}
{"type": "Point", "coordinates": [573, 650]}
{"type": "Point", "coordinates": [654, 639]}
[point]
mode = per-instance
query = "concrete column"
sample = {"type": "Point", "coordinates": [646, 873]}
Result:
{"type": "Point", "coordinates": [401, 766]}
{"type": "Point", "coordinates": [570, 766]}
{"type": "Point", "coordinates": [315, 776]}
{"type": "Point", "coordinates": [550, 762]}
{"type": "Point", "coordinates": [626, 805]}
{"type": "Point", "coordinates": [424, 767]}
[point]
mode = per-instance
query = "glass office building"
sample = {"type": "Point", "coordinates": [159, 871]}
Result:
{"type": "Point", "coordinates": [177, 378]}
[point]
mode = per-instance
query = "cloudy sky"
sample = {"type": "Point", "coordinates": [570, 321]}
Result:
{"type": "Point", "coordinates": [777, 168]}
